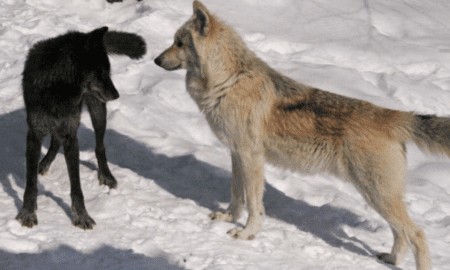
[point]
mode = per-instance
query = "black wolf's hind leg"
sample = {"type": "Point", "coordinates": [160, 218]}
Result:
{"type": "Point", "coordinates": [97, 111]}
{"type": "Point", "coordinates": [44, 165]}
{"type": "Point", "coordinates": [27, 216]}
{"type": "Point", "coordinates": [80, 216]}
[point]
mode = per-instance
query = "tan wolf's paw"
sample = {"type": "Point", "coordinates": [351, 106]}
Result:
{"type": "Point", "coordinates": [221, 215]}
{"type": "Point", "coordinates": [244, 234]}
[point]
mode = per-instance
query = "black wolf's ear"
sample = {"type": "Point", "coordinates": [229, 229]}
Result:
{"type": "Point", "coordinates": [202, 23]}
{"type": "Point", "coordinates": [95, 38]}
{"type": "Point", "coordinates": [99, 32]}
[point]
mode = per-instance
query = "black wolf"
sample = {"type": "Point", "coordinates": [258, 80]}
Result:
{"type": "Point", "coordinates": [60, 75]}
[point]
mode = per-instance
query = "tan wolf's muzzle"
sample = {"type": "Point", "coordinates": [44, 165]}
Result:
{"type": "Point", "coordinates": [168, 59]}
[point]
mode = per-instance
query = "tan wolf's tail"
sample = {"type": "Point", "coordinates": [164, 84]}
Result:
{"type": "Point", "coordinates": [432, 134]}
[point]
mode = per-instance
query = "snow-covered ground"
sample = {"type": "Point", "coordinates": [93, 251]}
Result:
{"type": "Point", "coordinates": [172, 171]}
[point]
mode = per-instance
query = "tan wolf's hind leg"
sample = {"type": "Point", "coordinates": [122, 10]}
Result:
{"type": "Point", "coordinates": [381, 183]}
{"type": "Point", "coordinates": [237, 194]}
{"type": "Point", "coordinates": [405, 232]}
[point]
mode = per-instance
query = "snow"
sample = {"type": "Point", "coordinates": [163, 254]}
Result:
{"type": "Point", "coordinates": [171, 170]}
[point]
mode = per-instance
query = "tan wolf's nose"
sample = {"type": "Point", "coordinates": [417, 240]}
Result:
{"type": "Point", "coordinates": [158, 61]}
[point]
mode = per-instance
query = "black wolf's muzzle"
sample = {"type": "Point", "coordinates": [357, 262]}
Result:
{"type": "Point", "coordinates": [105, 92]}
{"type": "Point", "coordinates": [112, 95]}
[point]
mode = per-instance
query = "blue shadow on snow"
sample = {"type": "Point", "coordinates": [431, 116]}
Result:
{"type": "Point", "coordinates": [183, 176]}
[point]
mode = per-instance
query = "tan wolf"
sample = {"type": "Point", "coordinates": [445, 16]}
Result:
{"type": "Point", "coordinates": [263, 116]}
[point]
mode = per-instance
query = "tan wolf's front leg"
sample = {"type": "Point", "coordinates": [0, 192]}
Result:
{"type": "Point", "coordinates": [250, 166]}
{"type": "Point", "coordinates": [237, 195]}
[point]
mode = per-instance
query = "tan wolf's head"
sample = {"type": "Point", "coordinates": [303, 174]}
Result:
{"type": "Point", "coordinates": [183, 51]}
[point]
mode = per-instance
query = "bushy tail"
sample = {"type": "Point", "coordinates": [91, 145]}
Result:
{"type": "Point", "coordinates": [432, 134]}
{"type": "Point", "coordinates": [123, 43]}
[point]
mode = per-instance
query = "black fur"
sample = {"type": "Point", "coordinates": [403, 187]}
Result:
{"type": "Point", "coordinates": [123, 43]}
{"type": "Point", "coordinates": [60, 75]}
{"type": "Point", "coordinates": [316, 109]}
{"type": "Point", "coordinates": [431, 132]}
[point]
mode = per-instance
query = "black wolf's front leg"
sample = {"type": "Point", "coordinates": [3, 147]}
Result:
{"type": "Point", "coordinates": [80, 216]}
{"type": "Point", "coordinates": [97, 111]}
{"type": "Point", "coordinates": [27, 216]}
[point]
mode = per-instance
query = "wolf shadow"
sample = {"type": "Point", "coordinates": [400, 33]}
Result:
{"type": "Point", "coordinates": [183, 176]}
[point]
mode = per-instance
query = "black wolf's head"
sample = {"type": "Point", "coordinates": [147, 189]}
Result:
{"type": "Point", "coordinates": [96, 77]}
{"type": "Point", "coordinates": [60, 70]}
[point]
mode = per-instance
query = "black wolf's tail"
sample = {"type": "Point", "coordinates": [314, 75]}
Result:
{"type": "Point", "coordinates": [123, 43]}
{"type": "Point", "coordinates": [432, 133]}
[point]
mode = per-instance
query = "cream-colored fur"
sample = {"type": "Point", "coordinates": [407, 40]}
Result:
{"type": "Point", "coordinates": [263, 116]}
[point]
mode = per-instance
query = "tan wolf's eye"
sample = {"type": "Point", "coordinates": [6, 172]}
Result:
{"type": "Point", "coordinates": [179, 44]}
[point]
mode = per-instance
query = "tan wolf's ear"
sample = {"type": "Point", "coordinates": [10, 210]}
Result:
{"type": "Point", "coordinates": [202, 24]}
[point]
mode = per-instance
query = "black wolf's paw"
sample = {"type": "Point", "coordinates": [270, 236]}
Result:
{"type": "Point", "coordinates": [107, 179]}
{"type": "Point", "coordinates": [83, 221]}
{"type": "Point", "coordinates": [386, 258]}
{"type": "Point", "coordinates": [27, 218]}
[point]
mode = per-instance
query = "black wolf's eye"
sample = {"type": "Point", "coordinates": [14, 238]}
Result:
{"type": "Point", "coordinates": [178, 43]}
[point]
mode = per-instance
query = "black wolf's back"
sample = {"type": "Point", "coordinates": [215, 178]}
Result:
{"type": "Point", "coordinates": [56, 68]}
{"type": "Point", "coordinates": [54, 60]}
